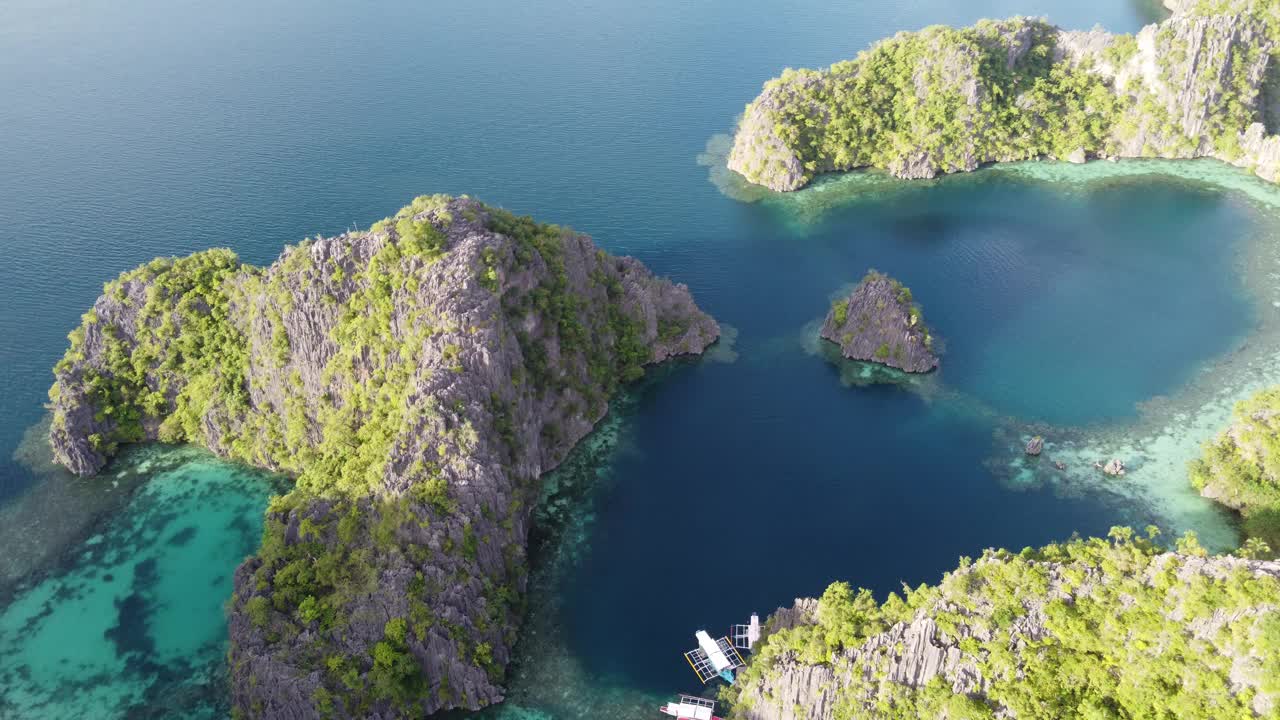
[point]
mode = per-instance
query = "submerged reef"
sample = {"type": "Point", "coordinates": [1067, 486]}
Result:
{"type": "Point", "coordinates": [1203, 83]}
{"type": "Point", "coordinates": [127, 622]}
{"type": "Point", "coordinates": [1083, 629]}
{"type": "Point", "coordinates": [416, 379]}
{"type": "Point", "coordinates": [879, 322]}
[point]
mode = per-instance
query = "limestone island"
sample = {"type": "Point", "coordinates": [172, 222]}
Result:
{"type": "Point", "coordinates": [416, 379]}
{"type": "Point", "coordinates": [1240, 468]}
{"type": "Point", "coordinates": [878, 322]}
{"type": "Point", "coordinates": [1123, 627]}
{"type": "Point", "coordinates": [1203, 83]}
{"type": "Point", "coordinates": [1089, 628]}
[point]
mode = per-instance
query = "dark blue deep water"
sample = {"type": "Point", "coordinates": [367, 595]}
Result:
{"type": "Point", "coordinates": [137, 128]}
{"type": "Point", "coordinates": [747, 484]}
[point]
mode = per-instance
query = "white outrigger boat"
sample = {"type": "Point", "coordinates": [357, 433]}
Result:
{"type": "Point", "coordinates": [714, 658]}
{"type": "Point", "coordinates": [691, 707]}
{"type": "Point", "coordinates": [720, 657]}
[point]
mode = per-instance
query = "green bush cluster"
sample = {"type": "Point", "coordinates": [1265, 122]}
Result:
{"type": "Point", "coordinates": [184, 367]}
{"type": "Point", "coordinates": [1241, 469]}
{"type": "Point", "coordinates": [188, 360]}
{"type": "Point", "coordinates": [908, 93]}
{"type": "Point", "coordinates": [1120, 643]}
{"type": "Point", "coordinates": [610, 343]}
{"type": "Point", "coordinates": [309, 585]}
{"type": "Point", "coordinates": [395, 675]}
{"type": "Point", "coordinates": [840, 311]}
{"type": "Point", "coordinates": [949, 97]}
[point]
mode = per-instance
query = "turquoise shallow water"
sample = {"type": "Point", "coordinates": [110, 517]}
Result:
{"type": "Point", "coordinates": [1116, 309]}
{"type": "Point", "coordinates": [126, 622]}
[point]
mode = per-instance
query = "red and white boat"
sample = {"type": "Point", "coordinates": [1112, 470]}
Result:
{"type": "Point", "coordinates": [691, 707]}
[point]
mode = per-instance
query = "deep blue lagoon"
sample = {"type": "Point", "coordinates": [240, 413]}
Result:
{"type": "Point", "coordinates": [1105, 307]}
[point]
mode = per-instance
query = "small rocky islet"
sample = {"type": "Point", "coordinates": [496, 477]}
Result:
{"type": "Point", "coordinates": [879, 322]}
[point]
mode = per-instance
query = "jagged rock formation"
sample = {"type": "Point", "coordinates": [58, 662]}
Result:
{"type": "Point", "coordinates": [1086, 629]}
{"type": "Point", "coordinates": [1200, 84]}
{"type": "Point", "coordinates": [1241, 467]}
{"type": "Point", "coordinates": [879, 322]}
{"type": "Point", "coordinates": [1035, 446]}
{"type": "Point", "coordinates": [417, 379]}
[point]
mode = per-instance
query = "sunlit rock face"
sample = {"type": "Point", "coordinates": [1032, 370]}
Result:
{"type": "Point", "coordinates": [878, 322]}
{"type": "Point", "coordinates": [996, 638]}
{"type": "Point", "coordinates": [945, 100]}
{"type": "Point", "coordinates": [416, 379]}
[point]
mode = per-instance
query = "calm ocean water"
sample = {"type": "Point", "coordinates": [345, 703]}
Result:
{"type": "Point", "coordinates": [140, 128]}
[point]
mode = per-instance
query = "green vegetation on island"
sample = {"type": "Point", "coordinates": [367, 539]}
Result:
{"type": "Point", "coordinates": [415, 379]}
{"type": "Point", "coordinates": [185, 362]}
{"type": "Point", "coordinates": [1241, 469]}
{"type": "Point", "coordinates": [880, 322]}
{"type": "Point", "coordinates": [190, 350]}
{"type": "Point", "coordinates": [947, 99]}
{"type": "Point", "coordinates": [1092, 628]}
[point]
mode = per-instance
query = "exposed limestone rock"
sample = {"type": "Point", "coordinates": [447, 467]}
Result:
{"type": "Point", "coordinates": [1241, 469]}
{"type": "Point", "coordinates": [417, 379]}
{"type": "Point", "coordinates": [879, 323]}
{"type": "Point", "coordinates": [1244, 450]}
{"type": "Point", "coordinates": [1113, 467]}
{"type": "Point", "coordinates": [1260, 152]}
{"type": "Point", "coordinates": [1203, 83]}
{"type": "Point", "coordinates": [1035, 445]}
{"type": "Point", "coordinates": [802, 612]}
{"type": "Point", "coordinates": [897, 665]}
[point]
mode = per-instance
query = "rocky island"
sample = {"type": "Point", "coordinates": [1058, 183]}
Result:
{"type": "Point", "coordinates": [1240, 469]}
{"type": "Point", "coordinates": [1093, 628]}
{"type": "Point", "coordinates": [1113, 628]}
{"type": "Point", "coordinates": [417, 379]}
{"type": "Point", "coordinates": [1203, 83]}
{"type": "Point", "coordinates": [878, 322]}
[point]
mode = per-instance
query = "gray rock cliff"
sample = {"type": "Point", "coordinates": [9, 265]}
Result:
{"type": "Point", "coordinates": [1202, 83]}
{"type": "Point", "coordinates": [942, 651]}
{"type": "Point", "coordinates": [417, 379]}
{"type": "Point", "coordinates": [878, 322]}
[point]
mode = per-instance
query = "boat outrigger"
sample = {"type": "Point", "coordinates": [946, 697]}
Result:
{"type": "Point", "coordinates": [714, 658]}
{"type": "Point", "coordinates": [719, 658]}
{"type": "Point", "coordinates": [746, 636]}
{"type": "Point", "coordinates": [691, 707]}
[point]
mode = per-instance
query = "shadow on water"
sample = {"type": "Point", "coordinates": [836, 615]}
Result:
{"type": "Point", "coordinates": [547, 679]}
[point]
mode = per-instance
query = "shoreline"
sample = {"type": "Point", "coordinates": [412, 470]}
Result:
{"type": "Point", "coordinates": [1170, 429]}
